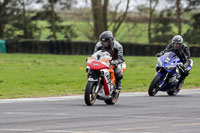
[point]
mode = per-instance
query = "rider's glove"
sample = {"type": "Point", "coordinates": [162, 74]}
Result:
{"type": "Point", "coordinates": [87, 59]}
{"type": "Point", "coordinates": [185, 66]}
{"type": "Point", "coordinates": [159, 54]}
{"type": "Point", "coordinates": [181, 67]}
{"type": "Point", "coordinates": [114, 62]}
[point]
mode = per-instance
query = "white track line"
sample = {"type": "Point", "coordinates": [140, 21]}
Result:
{"type": "Point", "coordinates": [137, 128]}
{"type": "Point", "coordinates": [187, 124]}
{"type": "Point", "coordinates": [182, 92]}
{"type": "Point", "coordinates": [17, 130]}
{"type": "Point", "coordinates": [66, 131]}
{"type": "Point", "coordinates": [40, 99]}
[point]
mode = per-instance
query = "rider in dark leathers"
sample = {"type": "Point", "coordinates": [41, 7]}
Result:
{"type": "Point", "coordinates": [107, 42]}
{"type": "Point", "coordinates": [182, 51]}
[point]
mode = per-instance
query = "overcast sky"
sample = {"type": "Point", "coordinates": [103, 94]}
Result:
{"type": "Point", "coordinates": [132, 7]}
{"type": "Point", "coordinates": [133, 4]}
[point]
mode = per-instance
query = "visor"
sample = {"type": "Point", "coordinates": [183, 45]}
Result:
{"type": "Point", "coordinates": [176, 45]}
{"type": "Point", "coordinates": [105, 42]}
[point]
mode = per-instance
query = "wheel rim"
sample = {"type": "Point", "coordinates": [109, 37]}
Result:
{"type": "Point", "coordinates": [155, 90]}
{"type": "Point", "coordinates": [93, 96]}
{"type": "Point", "coordinates": [115, 97]}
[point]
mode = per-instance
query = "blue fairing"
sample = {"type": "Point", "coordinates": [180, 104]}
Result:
{"type": "Point", "coordinates": [169, 59]}
{"type": "Point", "coordinates": [167, 64]}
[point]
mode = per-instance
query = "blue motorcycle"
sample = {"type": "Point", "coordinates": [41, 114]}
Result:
{"type": "Point", "coordinates": [168, 75]}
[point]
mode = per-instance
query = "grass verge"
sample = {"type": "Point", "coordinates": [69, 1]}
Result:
{"type": "Point", "coordinates": [29, 75]}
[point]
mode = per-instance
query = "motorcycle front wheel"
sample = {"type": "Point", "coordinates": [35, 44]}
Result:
{"type": "Point", "coordinates": [90, 96]}
{"type": "Point", "coordinates": [113, 99]}
{"type": "Point", "coordinates": [153, 90]}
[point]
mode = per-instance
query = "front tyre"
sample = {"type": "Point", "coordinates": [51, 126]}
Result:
{"type": "Point", "coordinates": [153, 89]}
{"type": "Point", "coordinates": [113, 99]}
{"type": "Point", "coordinates": [90, 96]}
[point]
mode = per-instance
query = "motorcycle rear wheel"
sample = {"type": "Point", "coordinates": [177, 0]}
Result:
{"type": "Point", "coordinates": [173, 92]}
{"type": "Point", "coordinates": [90, 96]}
{"type": "Point", "coordinates": [113, 99]}
{"type": "Point", "coordinates": [153, 90]}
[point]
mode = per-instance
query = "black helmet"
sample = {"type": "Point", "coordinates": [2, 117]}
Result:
{"type": "Point", "coordinates": [177, 41]}
{"type": "Point", "coordinates": [106, 38]}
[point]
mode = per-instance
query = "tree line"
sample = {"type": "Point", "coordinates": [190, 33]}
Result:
{"type": "Point", "coordinates": [19, 18]}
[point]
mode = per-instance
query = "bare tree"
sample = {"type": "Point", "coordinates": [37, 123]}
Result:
{"type": "Point", "coordinates": [120, 19]}
{"type": "Point", "coordinates": [180, 9]}
{"type": "Point", "coordinates": [152, 6]}
{"type": "Point", "coordinates": [53, 21]}
{"type": "Point", "coordinates": [7, 12]}
{"type": "Point", "coordinates": [24, 18]}
{"type": "Point", "coordinates": [100, 12]}
{"type": "Point", "coordinates": [178, 14]}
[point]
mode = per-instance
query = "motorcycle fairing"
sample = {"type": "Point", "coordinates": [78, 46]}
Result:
{"type": "Point", "coordinates": [108, 80]}
{"type": "Point", "coordinates": [168, 59]}
{"type": "Point", "coordinates": [191, 65]}
{"type": "Point", "coordinates": [96, 65]}
{"type": "Point", "coordinates": [106, 88]}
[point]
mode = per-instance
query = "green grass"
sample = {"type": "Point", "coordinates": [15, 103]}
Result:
{"type": "Point", "coordinates": [128, 32]}
{"type": "Point", "coordinates": [40, 75]}
{"type": "Point", "coordinates": [141, 70]}
{"type": "Point", "coordinates": [26, 75]}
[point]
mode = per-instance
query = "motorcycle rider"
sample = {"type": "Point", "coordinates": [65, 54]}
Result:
{"type": "Point", "coordinates": [183, 52]}
{"type": "Point", "coordinates": [109, 44]}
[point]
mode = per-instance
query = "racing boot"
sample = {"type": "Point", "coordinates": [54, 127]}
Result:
{"type": "Point", "coordinates": [180, 83]}
{"type": "Point", "coordinates": [182, 79]}
{"type": "Point", "coordinates": [118, 84]}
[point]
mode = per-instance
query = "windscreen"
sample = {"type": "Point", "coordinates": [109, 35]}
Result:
{"type": "Point", "coordinates": [170, 55]}
{"type": "Point", "coordinates": [101, 55]}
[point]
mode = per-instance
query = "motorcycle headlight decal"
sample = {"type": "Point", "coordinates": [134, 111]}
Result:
{"type": "Point", "coordinates": [159, 62]}
{"type": "Point", "coordinates": [167, 60]}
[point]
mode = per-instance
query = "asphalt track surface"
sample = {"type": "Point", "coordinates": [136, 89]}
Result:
{"type": "Point", "coordinates": [133, 113]}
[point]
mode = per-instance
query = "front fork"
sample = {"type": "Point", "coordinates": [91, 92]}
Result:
{"type": "Point", "coordinates": [165, 78]}
{"type": "Point", "coordinates": [98, 85]}
{"type": "Point", "coordinates": [93, 79]}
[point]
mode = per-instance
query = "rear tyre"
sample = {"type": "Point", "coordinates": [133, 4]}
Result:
{"type": "Point", "coordinates": [113, 99]}
{"type": "Point", "coordinates": [90, 96]}
{"type": "Point", "coordinates": [173, 92]}
{"type": "Point", "coordinates": [153, 89]}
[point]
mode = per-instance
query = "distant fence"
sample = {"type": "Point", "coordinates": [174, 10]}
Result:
{"type": "Point", "coordinates": [82, 48]}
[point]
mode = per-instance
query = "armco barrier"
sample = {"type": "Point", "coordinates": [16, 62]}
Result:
{"type": "Point", "coordinates": [82, 48]}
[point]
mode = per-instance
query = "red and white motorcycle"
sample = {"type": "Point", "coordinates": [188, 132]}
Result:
{"type": "Point", "coordinates": [101, 79]}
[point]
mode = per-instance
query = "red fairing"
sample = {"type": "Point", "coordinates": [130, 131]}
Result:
{"type": "Point", "coordinates": [95, 65]}
{"type": "Point", "coordinates": [106, 89]}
